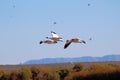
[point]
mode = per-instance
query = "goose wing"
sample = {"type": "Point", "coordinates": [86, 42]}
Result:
{"type": "Point", "coordinates": [67, 44]}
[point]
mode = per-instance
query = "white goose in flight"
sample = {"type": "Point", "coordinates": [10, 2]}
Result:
{"type": "Point", "coordinates": [48, 41]}
{"type": "Point", "coordinates": [74, 40]}
{"type": "Point", "coordinates": [55, 37]}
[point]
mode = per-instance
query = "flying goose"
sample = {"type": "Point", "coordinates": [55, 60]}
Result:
{"type": "Point", "coordinates": [90, 38]}
{"type": "Point", "coordinates": [54, 22]}
{"type": "Point", "coordinates": [74, 40]}
{"type": "Point", "coordinates": [48, 41]}
{"type": "Point", "coordinates": [55, 37]}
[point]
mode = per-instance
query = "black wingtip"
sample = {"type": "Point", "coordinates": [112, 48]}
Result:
{"type": "Point", "coordinates": [41, 42]}
{"type": "Point", "coordinates": [84, 42]}
{"type": "Point", "coordinates": [65, 47]}
{"type": "Point", "coordinates": [53, 32]}
{"type": "Point", "coordinates": [67, 44]}
{"type": "Point", "coordinates": [55, 41]}
{"type": "Point", "coordinates": [47, 37]}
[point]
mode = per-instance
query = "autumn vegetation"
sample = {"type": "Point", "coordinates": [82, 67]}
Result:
{"type": "Point", "coordinates": [77, 72]}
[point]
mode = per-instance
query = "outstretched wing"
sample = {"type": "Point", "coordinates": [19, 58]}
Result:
{"type": "Point", "coordinates": [54, 35]}
{"type": "Point", "coordinates": [67, 44]}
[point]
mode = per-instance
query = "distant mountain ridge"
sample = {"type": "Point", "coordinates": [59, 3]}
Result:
{"type": "Point", "coordinates": [77, 59]}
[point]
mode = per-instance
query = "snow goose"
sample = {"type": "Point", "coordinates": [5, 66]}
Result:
{"type": "Point", "coordinates": [55, 37]}
{"type": "Point", "coordinates": [74, 40]}
{"type": "Point", "coordinates": [48, 41]}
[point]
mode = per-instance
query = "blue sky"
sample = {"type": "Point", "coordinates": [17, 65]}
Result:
{"type": "Point", "coordinates": [23, 23]}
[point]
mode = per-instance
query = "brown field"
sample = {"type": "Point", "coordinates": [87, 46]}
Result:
{"type": "Point", "coordinates": [55, 65]}
{"type": "Point", "coordinates": [62, 71]}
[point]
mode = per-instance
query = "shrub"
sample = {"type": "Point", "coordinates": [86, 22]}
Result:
{"type": "Point", "coordinates": [78, 67]}
{"type": "Point", "coordinates": [25, 74]}
{"type": "Point", "coordinates": [44, 74]}
{"type": "Point", "coordinates": [35, 71]}
{"type": "Point", "coordinates": [14, 75]}
{"type": "Point", "coordinates": [5, 76]}
{"type": "Point", "coordinates": [63, 73]}
{"type": "Point", "coordinates": [1, 72]}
